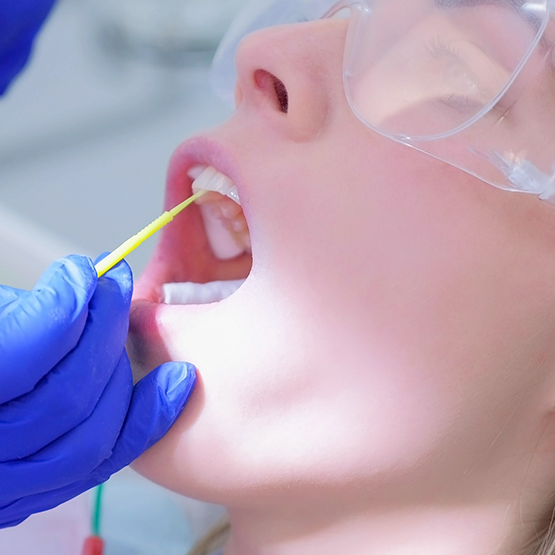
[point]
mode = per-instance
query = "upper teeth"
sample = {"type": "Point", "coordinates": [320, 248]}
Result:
{"type": "Point", "coordinates": [210, 179]}
{"type": "Point", "coordinates": [224, 221]}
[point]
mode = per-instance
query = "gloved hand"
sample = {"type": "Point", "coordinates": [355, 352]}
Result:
{"type": "Point", "coordinates": [20, 21]}
{"type": "Point", "coordinates": [69, 414]}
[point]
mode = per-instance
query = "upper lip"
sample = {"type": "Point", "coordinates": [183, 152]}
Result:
{"type": "Point", "coordinates": [194, 152]}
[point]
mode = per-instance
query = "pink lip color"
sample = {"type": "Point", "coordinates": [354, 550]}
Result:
{"type": "Point", "coordinates": [194, 152]}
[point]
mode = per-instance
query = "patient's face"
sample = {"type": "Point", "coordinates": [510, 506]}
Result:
{"type": "Point", "coordinates": [396, 321]}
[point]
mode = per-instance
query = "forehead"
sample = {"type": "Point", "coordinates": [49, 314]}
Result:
{"type": "Point", "coordinates": [469, 3]}
{"type": "Point", "coordinates": [527, 10]}
{"type": "Point", "coordinates": [531, 13]}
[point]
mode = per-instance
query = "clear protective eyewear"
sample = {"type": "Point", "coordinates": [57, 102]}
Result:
{"type": "Point", "coordinates": [470, 82]}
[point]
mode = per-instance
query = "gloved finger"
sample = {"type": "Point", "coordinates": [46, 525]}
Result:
{"type": "Point", "coordinates": [13, 523]}
{"type": "Point", "coordinates": [21, 19]}
{"type": "Point", "coordinates": [75, 455]}
{"type": "Point", "coordinates": [156, 405]}
{"type": "Point", "coordinates": [68, 394]}
{"type": "Point", "coordinates": [121, 274]}
{"type": "Point", "coordinates": [16, 512]}
{"type": "Point", "coordinates": [39, 329]}
{"type": "Point", "coordinates": [163, 393]}
{"type": "Point", "coordinates": [13, 61]}
{"type": "Point", "coordinates": [158, 400]}
{"type": "Point", "coordinates": [8, 295]}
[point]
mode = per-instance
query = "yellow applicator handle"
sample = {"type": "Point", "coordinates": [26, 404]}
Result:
{"type": "Point", "coordinates": [132, 243]}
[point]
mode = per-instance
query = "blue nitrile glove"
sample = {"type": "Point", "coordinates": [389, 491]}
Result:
{"type": "Point", "coordinates": [69, 414]}
{"type": "Point", "coordinates": [20, 21]}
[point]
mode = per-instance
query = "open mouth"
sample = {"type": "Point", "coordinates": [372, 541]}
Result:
{"type": "Point", "coordinates": [201, 258]}
{"type": "Point", "coordinates": [226, 231]}
{"type": "Point", "coordinates": [205, 254]}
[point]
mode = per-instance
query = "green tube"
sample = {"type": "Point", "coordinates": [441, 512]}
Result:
{"type": "Point", "coordinates": [97, 511]}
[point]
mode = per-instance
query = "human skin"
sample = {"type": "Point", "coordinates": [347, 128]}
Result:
{"type": "Point", "coordinates": [383, 382]}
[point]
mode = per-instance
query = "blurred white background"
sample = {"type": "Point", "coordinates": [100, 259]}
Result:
{"type": "Point", "coordinates": [86, 132]}
{"type": "Point", "coordinates": [85, 136]}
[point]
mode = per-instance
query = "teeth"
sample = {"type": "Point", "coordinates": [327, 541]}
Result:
{"type": "Point", "coordinates": [224, 221]}
{"type": "Point", "coordinates": [199, 293]}
{"type": "Point", "coordinates": [210, 179]}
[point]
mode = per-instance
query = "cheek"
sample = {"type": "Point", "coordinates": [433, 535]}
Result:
{"type": "Point", "coordinates": [397, 268]}
{"type": "Point", "coordinates": [285, 401]}
{"type": "Point", "coordinates": [291, 404]}
{"type": "Point", "coordinates": [374, 334]}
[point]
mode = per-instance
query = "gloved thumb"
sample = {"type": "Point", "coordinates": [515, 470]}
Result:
{"type": "Point", "coordinates": [166, 391]}
{"type": "Point", "coordinates": [157, 401]}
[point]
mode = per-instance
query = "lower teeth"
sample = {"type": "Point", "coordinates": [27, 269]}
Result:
{"type": "Point", "coordinates": [199, 293]}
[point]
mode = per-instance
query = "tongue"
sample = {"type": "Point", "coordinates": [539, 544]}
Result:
{"type": "Point", "coordinates": [199, 293]}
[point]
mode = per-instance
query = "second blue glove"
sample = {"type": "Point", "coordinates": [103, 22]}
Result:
{"type": "Point", "coordinates": [20, 21]}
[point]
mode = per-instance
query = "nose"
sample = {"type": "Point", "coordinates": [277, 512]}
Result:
{"type": "Point", "coordinates": [292, 75]}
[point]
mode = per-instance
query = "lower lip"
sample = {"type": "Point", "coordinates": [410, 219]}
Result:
{"type": "Point", "coordinates": [152, 330]}
{"type": "Point", "coordinates": [146, 317]}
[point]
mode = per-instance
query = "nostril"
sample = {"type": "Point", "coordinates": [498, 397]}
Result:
{"type": "Point", "coordinates": [273, 86]}
{"type": "Point", "coordinates": [282, 96]}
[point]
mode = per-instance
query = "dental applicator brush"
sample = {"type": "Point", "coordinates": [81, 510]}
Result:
{"type": "Point", "coordinates": [132, 243]}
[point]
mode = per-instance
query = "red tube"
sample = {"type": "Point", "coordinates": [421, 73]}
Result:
{"type": "Point", "coordinates": [93, 546]}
